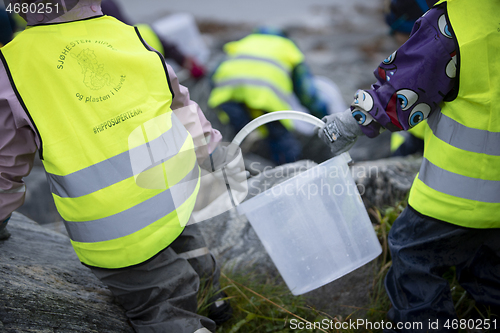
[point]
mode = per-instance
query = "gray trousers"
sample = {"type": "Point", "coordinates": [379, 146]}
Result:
{"type": "Point", "coordinates": [422, 250]}
{"type": "Point", "coordinates": [160, 295]}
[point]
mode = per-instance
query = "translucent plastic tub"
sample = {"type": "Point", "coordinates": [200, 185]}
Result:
{"type": "Point", "coordinates": [181, 30]}
{"type": "Point", "coordinates": [314, 226]}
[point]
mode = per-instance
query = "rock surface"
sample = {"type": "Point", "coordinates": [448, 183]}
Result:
{"type": "Point", "coordinates": [385, 182]}
{"type": "Point", "coordinates": [45, 288]}
{"type": "Point", "coordinates": [38, 203]}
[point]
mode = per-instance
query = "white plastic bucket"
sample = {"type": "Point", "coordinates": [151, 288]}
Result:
{"type": "Point", "coordinates": [181, 30]}
{"type": "Point", "coordinates": [314, 226]}
{"type": "Point", "coordinates": [330, 93]}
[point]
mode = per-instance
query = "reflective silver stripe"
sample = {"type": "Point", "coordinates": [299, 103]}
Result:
{"type": "Point", "coordinates": [266, 60]}
{"type": "Point", "coordinates": [15, 190]}
{"type": "Point", "coordinates": [194, 253]}
{"type": "Point", "coordinates": [463, 137]}
{"type": "Point", "coordinates": [121, 166]}
{"type": "Point", "coordinates": [289, 99]}
{"type": "Point", "coordinates": [134, 218]}
{"type": "Point", "coordinates": [450, 183]}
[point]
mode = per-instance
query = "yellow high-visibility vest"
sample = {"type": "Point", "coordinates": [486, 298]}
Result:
{"type": "Point", "coordinates": [150, 37]}
{"type": "Point", "coordinates": [120, 165]}
{"type": "Point", "coordinates": [257, 72]}
{"type": "Point", "coordinates": [459, 181]}
{"type": "Point", "coordinates": [417, 131]}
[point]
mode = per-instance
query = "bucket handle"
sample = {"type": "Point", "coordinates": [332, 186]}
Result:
{"type": "Point", "coordinates": [267, 118]}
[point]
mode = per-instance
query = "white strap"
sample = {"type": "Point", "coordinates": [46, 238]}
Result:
{"type": "Point", "coordinates": [194, 253]}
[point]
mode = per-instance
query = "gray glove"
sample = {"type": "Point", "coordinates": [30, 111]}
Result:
{"type": "Point", "coordinates": [234, 165]}
{"type": "Point", "coordinates": [4, 234]}
{"type": "Point", "coordinates": [340, 132]}
{"type": "Point", "coordinates": [217, 159]}
{"type": "Point", "coordinates": [223, 183]}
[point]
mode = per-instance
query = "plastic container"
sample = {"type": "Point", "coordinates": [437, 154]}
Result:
{"type": "Point", "coordinates": [268, 117]}
{"type": "Point", "coordinates": [327, 91]}
{"type": "Point", "coordinates": [181, 30]}
{"type": "Point", "coordinates": [314, 226]}
{"type": "Point", "coordinates": [330, 93]}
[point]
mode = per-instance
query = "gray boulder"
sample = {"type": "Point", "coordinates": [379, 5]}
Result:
{"type": "Point", "coordinates": [385, 182]}
{"type": "Point", "coordinates": [38, 203]}
{"type": "Point", "coordinates": [45, 288]}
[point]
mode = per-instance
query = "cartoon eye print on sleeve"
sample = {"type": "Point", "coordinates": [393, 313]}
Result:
{"type": "Point", "coordinates": [362, 118]}
{"type": "Point", "coordinates": [419, 113]}
{"type": "Point", "coordinates": [363, 103]}
{"type": "Point", "coordinates": [390, 69]}
{"type": "Point", "coordinates": [443, 26]}
{"type": "Point", "coordinates": [363, 100]}
{"type": "Point", "coordinates": [451, 67]}
{"type": "Point", "coordinates": [406, 98]}
{"type": "Point", "coordinates": [390, 59]}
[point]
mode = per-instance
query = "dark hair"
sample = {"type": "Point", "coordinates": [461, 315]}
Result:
{"type": "Point", "coordinates": [270, 30]}
{"type": "Point", "coordinates": [403, 13]}
{"type": "Point", "coordinates": [7, 26]}
{"type": "Point", "coordinates": [111, 8]}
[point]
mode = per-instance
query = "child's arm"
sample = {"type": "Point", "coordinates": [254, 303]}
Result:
{"type": "Point", "coordinates": [412, 81]}
{"type": "Point", "coordinates": [17, 148]}
{"type": "Point", "coordinates": [191, 116]}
